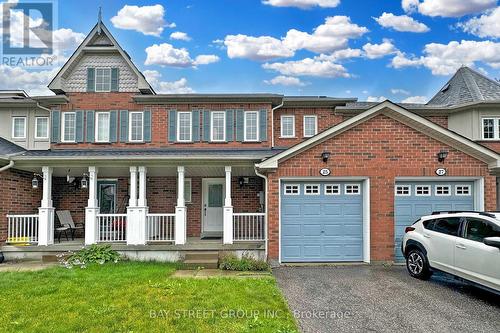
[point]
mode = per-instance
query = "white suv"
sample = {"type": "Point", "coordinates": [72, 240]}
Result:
{"type": "Point", "coordinates": [464, 244]}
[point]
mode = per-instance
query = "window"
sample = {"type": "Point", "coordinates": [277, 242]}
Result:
{"type": "Point", "coordinates": [422, 190]}
{"type": "Point", "coordinates": [287, 126]}
{"type": "Point", "coordinates": [448, 225]}
{"type": "Point", "coordinates": [310, 189]}
{"type": "Point", "coordinates": [352, 189]}
{"type": "Point", "coordinates": [68, 127]}
{"type": "Point", "coordinates": [102, 79]}
{"type": "Point", "coordinates": [251, 126]}
{"type": "Point", "coordinates": [402, 190]}
{"type": "Point", "coordinates": [462, 190]}
{"type": "Point", "coordinates": [292, 189]}
{"type": "Point", "coordinates": [187, 190]}
{"type": "Point", "coordinates": [41, 127]}
{"type": "Point", "coordinates": [310, 126]}
{"type": "Point", "coordinates": [442, 190]}
{"type": "Point", "coordinates": [102, 127]}
{"type": "Point", "coordinates": [491, 128]}
{"type": "Point", "coordinates": [478, 230]}
{"type": "Point", "coordinates": [136, 128]}
{"type": "Point", "coordinates": [184, 130]}
{"type": "Point", "coordinates": [332, 189]}
{"type": "Point", "coordinates": [218, 131]}
{"type": "Point", "coordinates": [19, 127]}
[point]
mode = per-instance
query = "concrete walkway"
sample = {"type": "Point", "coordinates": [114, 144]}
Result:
{"type": "Point", "coordinates": [214, 273]}
{"type": "Point", "coordinates": [25, 266]}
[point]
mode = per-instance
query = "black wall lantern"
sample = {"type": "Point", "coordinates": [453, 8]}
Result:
{"type": "Point", "coordinates": [34, 182]}
{"type": "Point", "coordinates": [325, 156]}
{"type": "Point", "coordinates": [84, 183]}
{"type": "Point", "coordinates": [442, 155]}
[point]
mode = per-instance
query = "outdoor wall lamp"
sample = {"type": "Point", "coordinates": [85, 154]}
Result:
{"type": "Point", "coordinates": [243, 180]}
{"type": "Point", "coordinates": [325, 156]}
{"type": "Point", "coordinates": [34, 182]}
{"type": "Point", "coordinates": [442, 155]}
{"type": "Point", "coordinates": [84, 183]}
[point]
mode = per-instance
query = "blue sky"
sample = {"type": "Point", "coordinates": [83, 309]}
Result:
{"type": "Point", "coordinates": [339, 48]}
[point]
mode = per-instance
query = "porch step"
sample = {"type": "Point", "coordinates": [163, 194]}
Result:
{"type": "Point", "coordinates": [53, 257]}
{"type": "Point", "coordinates": [205, 259]}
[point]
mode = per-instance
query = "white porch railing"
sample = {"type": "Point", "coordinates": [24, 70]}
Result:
{"type": "Point", "coordinates": [22, 228]}
{"type": "Point", "coordinates": [160, 227]}
{"type": "Point", "coordinates": [112, 227]}
{"type": "Point", "coordinates": [249, 226]}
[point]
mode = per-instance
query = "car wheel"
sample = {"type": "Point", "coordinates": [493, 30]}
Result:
{"type": "Point", "coordinates": [418, 265]}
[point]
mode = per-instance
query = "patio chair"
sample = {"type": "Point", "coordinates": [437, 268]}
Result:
{"type": "Point", "coordinates": [66, 220]}
{"type": "Point", "coordinates": [60, 230]}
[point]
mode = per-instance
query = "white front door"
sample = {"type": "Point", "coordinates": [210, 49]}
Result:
{"type": "Point", "coordinates": [213, 203]}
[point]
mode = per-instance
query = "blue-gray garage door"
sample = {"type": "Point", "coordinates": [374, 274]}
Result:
{"type": "Point", "coordinates": [321, 221]}
{"type": "Point", "coordinates": [415, 199]}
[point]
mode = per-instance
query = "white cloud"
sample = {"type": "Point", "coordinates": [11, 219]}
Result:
{"type": "Point", "coordinates": [487, 25]}
{"type": "Point", "coordinates": [285, 81]}
{"type": "Point", "coordinates": [329, 37]}
{"type": "Point", "coordinates": [309, 67]}
{"type": "Point", "coordinates": [398, 91]}
{"type": "Point", "coordinates": [67, 39]}
{"type": "Point", "coordinates": [179, 35]}
{"type": "Point", "coordinates": [34, 82]}
{"type": "Point", "coordinates": [415, 100]}
{"type": "Point", "coordinates": [445, 59]}
{"type": "Point", "coordinates": [166, 55]}
{"type": "Point", "coordinates": [302, 3]}
{"type": "Point", "coordinates": [341, 55]}
{"type": "Point", "coordinates": [375, 51]}
{"type": "Point", "coordinates": [448, 8]}
{"type": "Point", "coordinates": [402, 23]}
{"type": "Point", "coordinates": [146, 19]}
{"type": "Point", "coordinates": [166, 87]}
{"type": "Point", "coordinates": [376, 98]}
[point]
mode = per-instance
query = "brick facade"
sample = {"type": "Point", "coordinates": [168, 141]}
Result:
{"type": "Point", "coordinates": [381, 149]}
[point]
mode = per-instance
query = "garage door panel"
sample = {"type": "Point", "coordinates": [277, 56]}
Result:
{"type": "Point", "coordinates": [331, 226]}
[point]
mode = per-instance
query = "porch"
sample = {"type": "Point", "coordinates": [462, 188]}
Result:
{"type": "Point", "coordinates": [144, 208]}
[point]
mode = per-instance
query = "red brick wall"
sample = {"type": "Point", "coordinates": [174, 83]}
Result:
{"type": "Point", "coordinates": [326, 119]}
{"type": "Point", "coordinates": [382, 149]}
{"type": "Point", "coordinates": [493, 145]}
{"type": "Point", "coordinates": [159, 120]}
{"type": "Point", "coordinates": [17, 197]}
{"type": "Point", "coordinates": [440, 120]}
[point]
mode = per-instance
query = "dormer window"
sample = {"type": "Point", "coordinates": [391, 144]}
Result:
{"type": "Point", "coordinates": [103, 79]}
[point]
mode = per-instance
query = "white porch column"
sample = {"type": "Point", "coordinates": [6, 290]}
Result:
{"type": "Point", "coordinates": [92, 209]}
{"type": "Point", "coordinates": [180, 209]}
{"type": "Point", "coordinates": [137, 210]}
{"type": "Point", "coordinates": [46, 211]}
{"type": "Point", "coordinates": [228, 210]}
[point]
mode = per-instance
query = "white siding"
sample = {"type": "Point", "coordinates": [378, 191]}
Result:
{"type": "Point", "coordinates": [29, 142]}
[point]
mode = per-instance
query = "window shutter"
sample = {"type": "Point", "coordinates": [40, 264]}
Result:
{"type": "Point", "coordinates": [123, 125]}
{"type": "Point", "coordinates": [172, 125]}
{"type": "Point", "coordinates": [239, 125]}
{"type": "Point", "coordinates": [90, 79]}
{"type": "Point", "coordinates": [90, 131]}
{"type": "Point", "coordinates": [206, 125]}
{"type": "Point", "coordinates": [229, 125]}
{"type": "Point", "coordinates": [147, 125]}
{"type": "Point", "coordinates": [263, 125]}
{"type": "Point", "coordinates": [196, 125]}
{"type": "Point", "coordinates": [56, 126]}
{"type": "Point", "coordinates": [113, 125]}
{"type": "Point", "coordinates": [79, 126]}
{"type": "Point", "coordinates": [114, 79]}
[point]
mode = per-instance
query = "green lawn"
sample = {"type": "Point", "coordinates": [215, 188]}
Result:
{"type": "Point", "coordinates": [138, 297]}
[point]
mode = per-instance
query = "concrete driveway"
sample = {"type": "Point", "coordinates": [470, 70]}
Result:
{"type": "Point", "coordinates": [384, 299]}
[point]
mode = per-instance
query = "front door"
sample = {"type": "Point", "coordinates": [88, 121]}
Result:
{"type": "Point", "coordinates": [107, 196]}
{"type": "Point", "coordinates": [213, 203]}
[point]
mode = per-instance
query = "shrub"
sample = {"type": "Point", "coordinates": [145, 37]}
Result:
{"type": "Point", "coordinates": [94, 254]}
{"type": "Point", "coordinates": [231, 262]}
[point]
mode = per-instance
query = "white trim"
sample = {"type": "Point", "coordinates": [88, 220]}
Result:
{"type": "Point", "coordinates": [319, 189]}
{"type": "Point", "coordinates": [283, 116]}
{"type": "Point", "coordinates": [190, 139]}
{"type": "Point", "coordinates": [203, 197]}
{"type": "Point", "coordinates": [95, 78]}
{"type": "Point", "coordinates": [14, 128]}
{"type": "Point", "coordinates": [130, 126]}
{"type": "Point", "coordinates": [304, 125]}
{"type": "Point", "coordinates": [358, 191]}
{"type": "Point", "coordinates": [429, 187]}
{"type": "Point", "coordinates": [63, 125]}
{"type": "Point", "coordinates": [469, 190]}
{"type": "Point", "coordinates": [442, 195]}
{"type": "Point", "coordinates": [96, 126]}
{"type": "Point", "coordinates": [245, 139]}
{"type": "Point", "coordinates": [402, 115]}
{"type": "Point", "coordinates": [285, 189]}
{"type": "Point", "coordinates": [402, 194]}
{"type": "Point", "coordinates": [339, 188]}
{"type": "Point", "coordinates": [212, 128]}
{"type": "Point", "coordinates": [36, 128]}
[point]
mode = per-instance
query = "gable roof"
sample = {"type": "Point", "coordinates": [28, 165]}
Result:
{"type": "Point", "coordinates": [467, 86]}
{"type": "Point", "coordinates": [99, 40]}
{"type": "Point", "coordinates": [400, 114]}
{"type": "Point", "coordinates": [8, 148]}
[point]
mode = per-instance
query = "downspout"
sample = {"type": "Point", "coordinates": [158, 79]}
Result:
{"type": "Point", "coordinates": [272, 122]}
{"type": "Point", "coordinates": [265, 209]}
{"type": "Point", "coordinates": [8, 166]}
